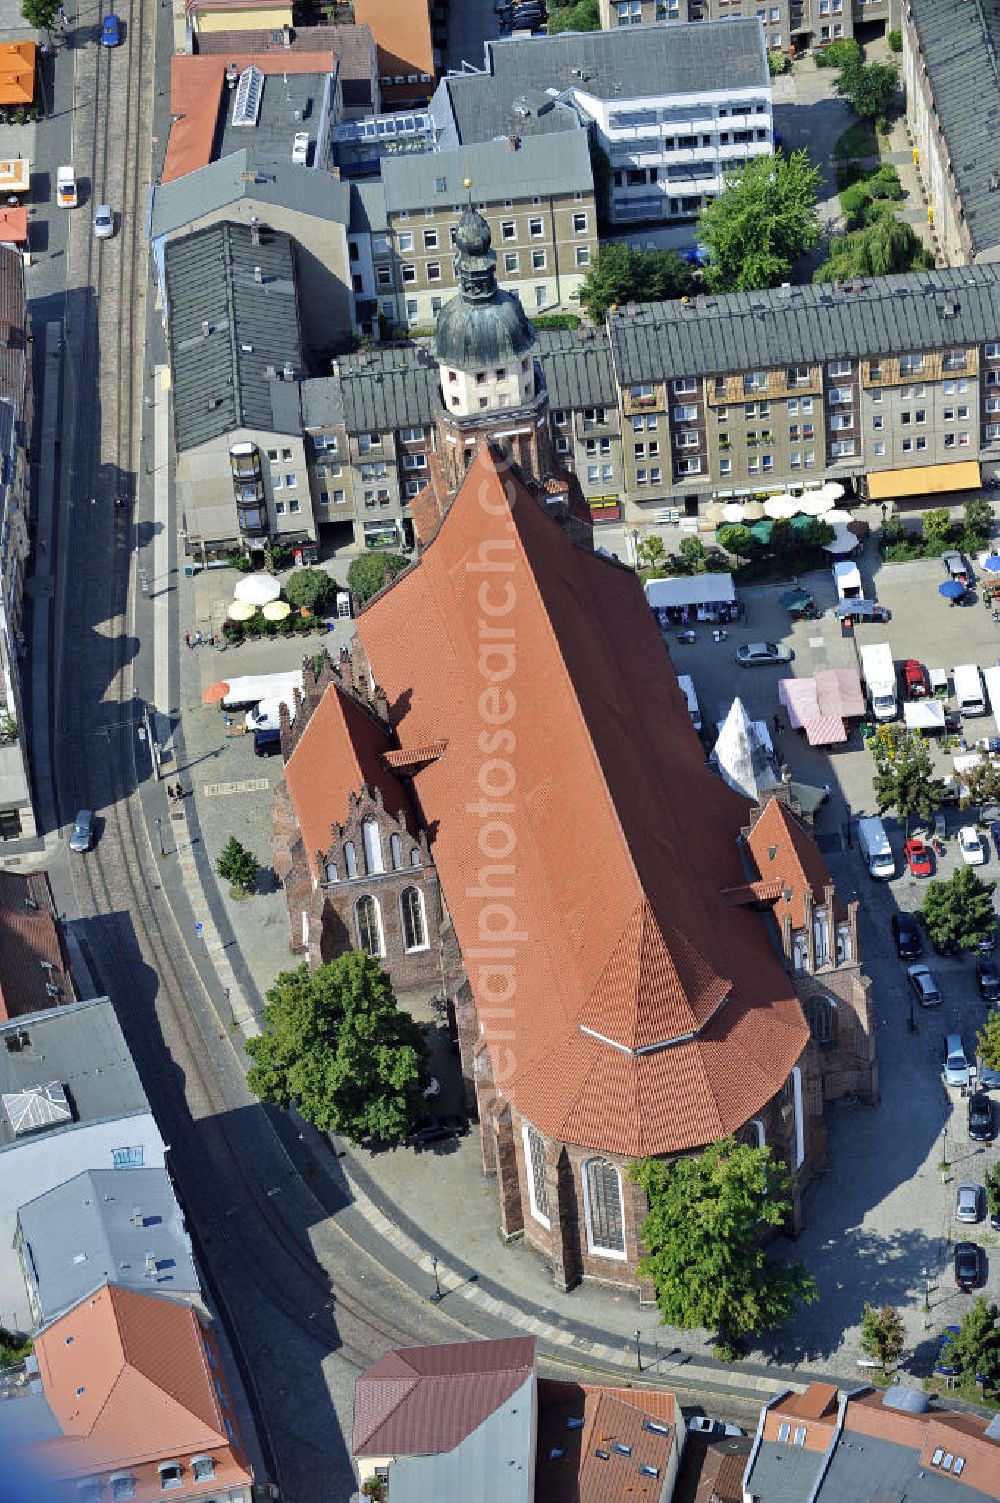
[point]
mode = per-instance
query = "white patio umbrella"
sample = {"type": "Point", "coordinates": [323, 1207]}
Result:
{"type": "Point", "coordinates": [831, 488]}
{"type": "Point", "coordinates": [781, 507]}
{"type": "Point", "coordinates": [841, 542]}
{"type": "Point", "coordinates": [258, 589]}
{"type": "Point", "coordinates": [733, 512]}
{"type": "Point", "coordinates": [815, 503]}
{"type": "Point", "coordinates": [838, 517]}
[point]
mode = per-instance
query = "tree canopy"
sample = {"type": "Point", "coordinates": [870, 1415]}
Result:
{"type": "Point", "coordinates": [585, 15]}
{"type": "Point", "coordinates": [907, 783]}
{"type": "Point", "coordinates": [619, 274]}
{"type": "Point", "coordinates": [762, 221]}
{"type": "Point", "coordinates": [881, 247]}
{"type": "Point", "coordinates": [882, 1335]}
{"type": "Point", "coordinates": [988, 1044]}
{"type": "Point", "coordinates": [366, 573]}
{"type": "Point", "coordinates": [960, 910]}
{"type": "Point", "coordinates": [702, 1233]}
{"type": "Point", "coordinates": [238, 866]}
{"type": "Point", "coordinates": [336, 1046]}
{"type": "Point", "coordinates": [975, 1351]}
{"type": "Point", "coordinates": [870, 87]}
{"type": "Point", "coordinates": [41, 14]}
{"type": "Point", "coordinates": [309, 587]}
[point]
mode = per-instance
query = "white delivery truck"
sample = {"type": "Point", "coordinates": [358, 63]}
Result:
{"type": "Point", "coordinates": [879, 674]}
{"type": "Point", "coordinates": [266, 716]}
{"type": "Point", "coordinates": [873, 844]}
{"type": "Point", "coordinates": [687, 689]}
{"type": "Point", "coordinates": [847, 578]}
{"type": "Point", "coordinates": [970, 695]}
{"type": "Point", "coordinates": [245, 693]}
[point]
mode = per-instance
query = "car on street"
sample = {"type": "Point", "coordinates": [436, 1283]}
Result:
{"type": "Point", "coordinates": [104, 222]}
{"type": "Point", "coordinates": [987, 943]}
{"type": "Point", "coordinates": [927, 991]}
{"type": "Point", "coordinates": [430, 1130]}
{"type": "Point", "coordinates": [956, 1065]}
{"type": "Point", "coordinates": [82, 834]}
{"type": "Point", "coordinates": [967, 1203]}
{"type": "Point", "coordinates": [300, 148]}
{"type": "Point", "coordinates": [945, 1364]}
{"type": "Point", "coordinates": [704, 1424]}
{"type": "Point", "coordinates": [111, 30]}
{"type": "Point", "coordinates": [907, 935]}
{"type": "Point", "coordinates": [987, 1078]}
{"type": "Point", "coordinates": [955, 566]}
{"type": "Point", "coordinates": [918, 858]}
{"type": "Point", "coordinates": [970, 1263]}
{"type": "Point", "coordinates": [970, 843]}
{"type": "Point", "coordinates": [981, 1129]}
{"type": "Point", "coordinates": [988, 979]}
{"type": "Point", "coordinates": [762, 654]}
{"type": "Point", "coordinates": [66, 195]}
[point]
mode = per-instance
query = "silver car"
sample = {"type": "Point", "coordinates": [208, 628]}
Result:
{"type": "Point", "coordinates": [104, 222]}
{"type": "Point", "coordinates": [757, 654]}
{"type": "Point", "coordinates": [967, 1203]}
{"type": "Point", "coordinates": [82, 834]}
{"type": "Point", "coordinates": [923, 983]}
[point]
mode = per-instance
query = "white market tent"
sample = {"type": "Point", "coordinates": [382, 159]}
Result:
{"type": "Point", "coordinates": [924, 715]}
{"type": "Point", "coordinates": [691, 589]}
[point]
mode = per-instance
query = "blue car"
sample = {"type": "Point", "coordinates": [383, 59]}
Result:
{"type": "Point", "coordinates": [111, 30]}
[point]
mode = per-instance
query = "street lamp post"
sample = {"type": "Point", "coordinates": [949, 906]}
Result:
{"type": "Point", "coordinates": [638, 1351]}
{"type": "Point", "coordinates": [635, 545]}
{"type": "Point", "coordinates": [159, 831]}
{"type": "Point", "coordinates": [436, 1296]}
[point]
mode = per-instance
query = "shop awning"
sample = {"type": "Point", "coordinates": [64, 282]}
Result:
{"type": "Point", "coordinates": [691, 589]}
{"type": "Point", "coordinates": [924, 715]}
{"type": "Point", "coordinates": [924, 480]}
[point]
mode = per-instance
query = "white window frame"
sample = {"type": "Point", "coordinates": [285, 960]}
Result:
{"type": "Point", "coordinates": [539, 1215]}
{"type": "Point", "coordinates": [370, 897]}
{"type": "Point", "coordinates": [621, 1255]}
{"type": "Point", "coordinates": [414, 949]}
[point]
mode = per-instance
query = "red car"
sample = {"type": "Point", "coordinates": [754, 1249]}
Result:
{"type": "Point", "coordinates": [918, 858]}
{"type": "Point", "coordinates": [914, 679]}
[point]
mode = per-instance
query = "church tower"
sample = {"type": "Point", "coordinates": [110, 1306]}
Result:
{"type": "Point", "coordinates": [491, 386]}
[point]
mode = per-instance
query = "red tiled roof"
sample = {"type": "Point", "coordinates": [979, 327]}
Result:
{"type": "Point", "coordinates": [352, 45]}
{"type": "Point", "coordinates": [31, 941]}
{"type": "Point", "coordinates": [797, 864]}
{"type": "Point", "coordinates": [421, 1401]}
{"type": "Point", "coordinates": [620, 837]}
{"type": "Point", "coordinates": [17, 72]}
{"type": "Point", "coordinates": [609, 1415]}
{"type": "Point", "coordinates": [340, 748]}
{"type": "Point", "coordinates": [402, 33]}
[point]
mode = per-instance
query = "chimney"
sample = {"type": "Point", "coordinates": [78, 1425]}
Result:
{"type": "Point", "coordinates": [258, 275]}
{"type": "Point", "coordinates": [254, 232]}
{"type": "Point", "coordinates": [137, 1218]}
{"type": "Point", "coordinates": [206, 327]}
{"type": "Point", "coordinates": [514, 142]}
{"type": "Point", "coordinates": [286, 36]}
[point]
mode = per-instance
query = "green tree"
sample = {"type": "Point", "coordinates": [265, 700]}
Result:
{"type": "Point", "coordinates": [762, 221]}
{"type": "Point", "coordinates": [702, 1235]}
{"type": "Point", "coordinates": [238, 866]}
{"type": "Point", "coordinates": [650, 552]}
{"type": "Point", "coordinates": [983, 783]}
{"type": "Point", "coordinates": [41, 14]}
{"type": "Point", "coordinates": [693, 556]}
{"type": "Point", "coordinates": [895, 40]}
{"type": "Point", "coordinates": [882, 1335]}
{"type": "Point", "coordinates": [880, 248]}
{"type": "Point", "coordinates": [870, 87]}
{"type": "Point", "coordinates": [976, 1349]}
{"type": "Point", "coordinates": [842, 54]}
{"type": "Point", "coordinates": [619, 275]}
{"type": "Point", "coordinates": [977, 523]}
{"type": "Point", "coordinates": [991, 1180]}
{"type": "Point", "coordinates": [366, 575]}
{"type": "Point", "coordinates": [907, 783]}
{"type": "Point", "coordinates": [784, 538]}
{"type": "Point", "coordinates": [959, 910]}
{"type": "Point", "coordinates": [988, 1046]}
{"type": "Point", "coordinates": [584, 16]}
{"type": "Point", "coordinates": [815, 534]}
{"type": "Point", "coordinates": [738, 540]}
{"type": "Point", "coordinates": [938, 532]}
{"type": "Point", "coordinates": [309, 587]}
{"type": "Point", "coordinates": [336, 1046]}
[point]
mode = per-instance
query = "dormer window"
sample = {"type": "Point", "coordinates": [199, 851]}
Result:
{"type": "Point", "coordinates": [202, 1468]}
{"type": "Point", "coordinates": [122, 1486]}
{"type": "Point", "coordinates": [171, 1475]}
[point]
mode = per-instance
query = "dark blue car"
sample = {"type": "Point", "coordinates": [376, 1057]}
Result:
{"type": "Point", "coordinates": [111, 30]}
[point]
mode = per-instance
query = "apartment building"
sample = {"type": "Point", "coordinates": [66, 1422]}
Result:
{"type": "Point", "coordinates": [891, 385]}
{"type": "Point", "coordinates": [671, 108]}
{"type": "Point", "coordinates": [585, 416]}
{"type": "Point", "coordinates": [952, 80]}
{"type": "Point", "coordinates": [793, 26]}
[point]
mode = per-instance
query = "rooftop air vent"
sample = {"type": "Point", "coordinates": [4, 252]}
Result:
{"type": "Point", "coordinates": [206, 327]}
{"type": "Point", "coordinates": [31, 905]}
{"type": "Point", "coordinates": [258, 274]}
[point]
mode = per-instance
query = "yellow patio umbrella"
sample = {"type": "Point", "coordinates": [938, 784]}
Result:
{"type": "Point", "coordinates": [241, 610]}
{"type": "Point", "coordinates": [276, 610]}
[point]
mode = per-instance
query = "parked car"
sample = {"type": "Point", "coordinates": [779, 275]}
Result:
{"type": "Point", "coordinates": [955, 1065]}
{"type": "Point", "coordinates": [756, 654]}
{"type": "Point", "coordinates": [967, 1204]}
{"type": "Point", "coordinates": [104, 222]}
{"type": "Point", "coordinates": [970, 1261]}
{"type": "Point", "coordinates": [987, 1078]}
{"type": "Point", "coordinates": [906, 933]}
{"type": "Point", "coordinates": [82, 834]}
{"type": "Point", "coordinates": [944, 1363]}
{"type": "Point", "coordinates": [987, 942]}
{"type": "Point", "coordinates": [300, 148]}
{"type": "Point", "coordinates": [981, 1128]}
{"type": "Point", "coordinates": [267, 742]}
{"type": "Point", "coordinates": [436, 1130]}
{"type": "Point", "coordinates": [955, 566]}
{"type": "Point", "coordinates": [111, 30]}
{"type": "Point", "coordinates": [940, 830]}
{"type": "Point", "coordinates": [970, 843]}
{"type": "Point", "coordinates": [988, 979]}
{"type": "Point", "coordinates": [927, 990]}
{"type": "Point", "coordinates": [914, 679]}
{"type": "Point", "coordinates": [918, 858]}
{"type": "Point", "coordinates": [704, 1424]}
{"type": "Point", "coordinates": [66, 195]}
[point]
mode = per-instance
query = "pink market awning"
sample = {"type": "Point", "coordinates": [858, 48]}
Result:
{"type": "Point", "coordinates": [824, 730]}
{"type": "Point", "coordinates": [798, 695]}
{"type": "Point", "coordinates": [839, 693]}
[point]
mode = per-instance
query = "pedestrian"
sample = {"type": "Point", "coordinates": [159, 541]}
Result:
{"type": "Point", "coordinates": [777, 724]}
{"type": "Point", "coordinates": [827, 789]}
{"type": "Point", "coordinates": [187, 639]}
{"type": "Point", "coordinates": [198, 639]}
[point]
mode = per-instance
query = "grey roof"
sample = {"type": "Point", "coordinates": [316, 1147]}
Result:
{"type": "Point", "coordinates": [246, 175]}
{"type": "Point", "coordinates": [322, 404]}
{"type": "Point", "coordinates": [747, 331]}
{"type": "Point", "coordinates": [289, 102]}
{"type": "Point", "coordinates": [864, 1469]}
{"type": "Point", "coordinates": [25, 1420]}
{"type": "Point", "coordinates": [784, 1473]}
{"type": "Point", "coordinates": [577, 367]}
{"type": "Point", "coordinates": [624, 64]}
{"type": "Point", "coordinates": [374, 391]}
{"type": "Point", "coordinates": [221, 379]}
{"type": "Point", "coordinates": [106, 1225]}
{"type": "Point", "coordinates": [368, 206]}
{"type": "Point", "coordinates": [958, 39]}
{"type": "Point", "coordinates": [541, 165]}
{"type": "Point", "coordinates": [82, 1047]}
{"type": "Point", "coordinates": [474, 335]}
{"type": "Point", "coordinates": [494, 1461]}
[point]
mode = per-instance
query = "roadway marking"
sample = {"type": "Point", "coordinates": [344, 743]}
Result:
{"type": "Point", "coordinates": [246, 785]}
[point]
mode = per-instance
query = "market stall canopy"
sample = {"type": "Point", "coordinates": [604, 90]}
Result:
{"type": "Point", "coordinates": [690, 589]}
{"type": "Point", "coordinates": [781, 508]}
{"type": "Point", "coordinates": [860, 608]}
{"type": "Point", "coordinates": [839, 692]}
{"type": "Point", "coordinates": [17, 73]}
{"type": "Point", "coordinates": [753, 511]}
{"type": "Point", "coordinates": [276, 610]}
{"type": "Point", "coordinates": [830, 490]}
{"type": "Point", "coordinates": [732, 512]}
{"type": "Point", "coordinates": [241, 610]}
{"type": "Point", "coordinates": [841, 542]}
{"type": "Point", "coordinates": [815, 503]}
{"type": "Point", "coordinates": [837, 517]}
{"type": "Point", "coordinates": [925, 480]}
{"type": "Point", "coordinates": [258, 589]}
{"type": "Point", "coordinates": [951, 589]}
{"type": "Point", "coordinates": [991, 563]}
{"type": "Point", "coordinates": [924, 715]}
{"type": "Point", "coordinates": [796, 600]}
{"type": "Point", "coordinates": [801, 699]}
{"type": "Point", "coordinates": [215, 693]}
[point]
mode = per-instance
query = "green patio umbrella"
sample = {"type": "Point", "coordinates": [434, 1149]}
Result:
{"type": "Point", "coordinates": [796, 600]}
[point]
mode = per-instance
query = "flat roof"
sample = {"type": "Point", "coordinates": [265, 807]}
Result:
{"type": "Point", "coordinates": [540, 166]}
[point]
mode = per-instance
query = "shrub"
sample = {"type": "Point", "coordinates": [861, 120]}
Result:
{"type": "Point", "coordinates": [233, 631]}
{"type": "Point", "coordinates": [777, 63]}
{"type": "Point", "coordinates": [895, 40]}
{"type": "Point", "coordinates": [558, 321]}
{"type": "Point", "coordinates": [843, 54]}
{"type": "Point", "coordinates": [848, 173]}
{"type": "Point", "coordinates": [240, 561]}
{"type": "Point", "coordinates": [309, 587]}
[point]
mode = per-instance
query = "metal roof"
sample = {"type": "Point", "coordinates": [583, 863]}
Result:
{"type": "Point", "coordinates": [746, 331]}
{"type": "Point", "coordinates": [399, 390]}
{"type": "Point", "coordinates": [959, 41]}
{"type": "Point", "coordinates": [494, 1461]}
{"type": "Point", "coordinates": [577, 367]}
{"type": "Point", "coordinates": [120, 1226]}
{"type": "Point", "coordinates": [233, 328]}
{"type": "Point", "coordinates": [625, 64]}
{"type": "Point", "coordinates": [82, 1047]}
{"type": "Point", "coordinates": [539, 166]}
{"type": "Point", "coordinates": [867, 1469]}
{"type": "Point", "coordinates": [368, 206]}
{"type": "Point", "coordinates": [245, 175]}
{"type": "Point", "coordinates": [784, 1473]}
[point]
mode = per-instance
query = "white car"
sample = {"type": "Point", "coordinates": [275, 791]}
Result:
{"type": "Point", "coordinates": [104, 222]}
{"type": "Point", "coordinates": [704, 1424]}
{"type": "Point", "coordinates": [971, 845]}
{"type": "Point", "coordinates": [300, 148]}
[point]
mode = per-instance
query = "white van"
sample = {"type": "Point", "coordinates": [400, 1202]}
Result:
{"type": "Point", "coordinates": [847, 578]}
{"type": "Point", "coordinates": [874, 845]}
{"type": "Point", "coordinates": [687, 689]}
{"type": "Point", "coordinates": [969, 692]}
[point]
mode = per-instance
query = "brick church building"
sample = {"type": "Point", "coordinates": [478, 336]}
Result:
{"type": "Point", "coordinates": [499, 790]}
